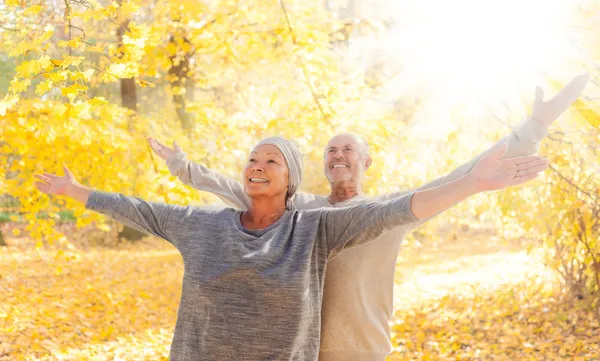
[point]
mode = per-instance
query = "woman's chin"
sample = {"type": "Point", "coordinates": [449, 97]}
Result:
{"type": "Point", "coordinates": [254, 189]}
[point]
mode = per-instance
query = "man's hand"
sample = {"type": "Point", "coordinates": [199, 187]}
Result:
{"type": "Point", "coordinates": [547, 112]}
{"type": "Point", "coordinates": [162, 150]}
{"type": "Point", "coordinates": [492, 172]}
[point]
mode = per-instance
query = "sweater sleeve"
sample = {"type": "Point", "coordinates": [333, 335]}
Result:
{"type": "Point", "coordinates": [149, 217]}
{"type": "Point", "coordinates": [351, 226]}
{"type": "Point", "coordinates": [522, 141]}
{"type": "Point", "coordinates": [202, 178]}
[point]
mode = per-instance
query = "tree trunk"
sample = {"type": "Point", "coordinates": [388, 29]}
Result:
{"type": "Point", "coordinates": [2, 242]}
{"type": "Point", "coordinates": [180, 72]}
{"type": "Point", "coordinates": [129, 101]}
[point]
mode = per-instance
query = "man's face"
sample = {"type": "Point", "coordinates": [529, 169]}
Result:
{"type": "Point", "coordinates": [345, 159]}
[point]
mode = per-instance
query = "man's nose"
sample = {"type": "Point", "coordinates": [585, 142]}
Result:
{"type": "Point", "coordinates": [338, 154]}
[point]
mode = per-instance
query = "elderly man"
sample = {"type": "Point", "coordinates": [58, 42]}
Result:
{"type": "Point", "coordinates": [359, 283]}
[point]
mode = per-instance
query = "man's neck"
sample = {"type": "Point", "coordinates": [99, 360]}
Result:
{"type": "Point", "coordinates": [342, 191]}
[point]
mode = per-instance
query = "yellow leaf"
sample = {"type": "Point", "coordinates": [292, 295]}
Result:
{"type": "Point", "coordinates": [104, 227]}
{"type": "Point", "coordinates": [129, 8]}
{"type": "Point", "coordinates": [16, 232]}
{"type": "Point", "coordinates": [44, 86]}
{"type": "Point", "coordinates": [8, 102]}
{"type": "Point", "coordinates": [45, 62]}
{"type": "Point", "coordinates": [57, 77]}
{"type": "Point", "coordinates": [97, 101]}
{"type": "Point", "coordinates": [171, 49]}
{"type": "Point", "coordinates": [73, 89]}
{"type": "Point", "coordinates": [33, 10]}
{"type": "Point", "coordinates": [119, 71]}
{"type": "Point", "coordinates": [145, 84]}
{"type": "Point", "coordinates": [82, 75]}
{"type": "Point", "coordinates": [28, 68]}
{"type": "Point", "coordinates": [48, 33]}
{"type": "Point", "coordinates": [82, 110]}
{"type": "Point", "coordinates": [17, 86]}
{"type": "Point", "coordinates": [139, 42]}
{"type": "Point", "coordinates": [587, 113]}
{"type": "Point", "coordinates": [22, 48]}
{"type": "Point", "coordinates": [71, 60]}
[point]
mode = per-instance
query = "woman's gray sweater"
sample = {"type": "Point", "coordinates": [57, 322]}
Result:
{"type": "Point", "coordinates": [252, 294]}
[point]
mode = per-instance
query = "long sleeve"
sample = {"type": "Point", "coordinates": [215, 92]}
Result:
{"type": "Point", "coordinates": [202, 178]}
{"type": "Point", "coordinates": [148, 217]}
{"type": "Point", "coordinates": [522, 141]}
{"type": "Point", "coordinates": [351, 226]}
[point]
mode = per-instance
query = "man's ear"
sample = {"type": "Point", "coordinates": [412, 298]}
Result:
{"type": "Point", "coordinates": [368, 162]}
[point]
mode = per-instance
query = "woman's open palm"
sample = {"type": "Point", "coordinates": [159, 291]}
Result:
{"type": "Point", "coordinates": [54, 184]}
{"type": "Point", "coordinates": [492, 172]}
{"type": "Point", "coordinates": [162, 150]}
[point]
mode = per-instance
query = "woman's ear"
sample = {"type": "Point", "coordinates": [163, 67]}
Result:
{"type": "Point", "coordinates": [368, 162]}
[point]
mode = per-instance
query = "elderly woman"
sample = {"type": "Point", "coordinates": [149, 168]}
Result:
{"type": "Point", "coordinates": [253, 281]}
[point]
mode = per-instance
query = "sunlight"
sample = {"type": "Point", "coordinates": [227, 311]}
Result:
{"type": "Point", "coordinates": [465, 47]}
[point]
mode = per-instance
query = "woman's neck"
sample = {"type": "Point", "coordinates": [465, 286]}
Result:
{"type": "Point", "coordinates": [262, 213]}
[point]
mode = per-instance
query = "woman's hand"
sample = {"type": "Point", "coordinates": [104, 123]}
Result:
{"type": "Point", "coordinates": [66, 185]}
{"type": "Point", "coordinates": [162, 150]}
{"type": "Point", "coordinates": [53, 184]}
{"type": "Point", "coordinates": [492, 172]}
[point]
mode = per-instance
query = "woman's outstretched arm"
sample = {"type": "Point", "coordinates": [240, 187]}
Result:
{"type": "Point", "coordinates": [157, 219]}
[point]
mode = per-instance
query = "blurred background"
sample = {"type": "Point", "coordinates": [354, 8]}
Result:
{"type": "Point", "coordinates": [430, 84]}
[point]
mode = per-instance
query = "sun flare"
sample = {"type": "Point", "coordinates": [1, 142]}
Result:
{"type": "Point", "coordinates": [469, 46]}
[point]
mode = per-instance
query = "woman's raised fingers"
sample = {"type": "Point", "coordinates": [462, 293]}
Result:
{"type": "Point", "coordinates": [43, 178]}
{"type": "Point", "coordinates": [51, 176]}
{"type": "Point", "coordinates": [42, 187]}
{"type": "Point", "coordinates": [524, 160]}
{"type": "Point", "coordinates": [532, 170]}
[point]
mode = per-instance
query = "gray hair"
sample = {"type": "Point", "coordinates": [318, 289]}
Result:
{"type": "Point", "coordinates": [362, 143]}
{"type": "Point", "coordinates": [293, 159]}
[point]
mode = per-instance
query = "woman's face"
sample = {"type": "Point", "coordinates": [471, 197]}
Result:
{"type": "Point", "coordinates": [266, 173]}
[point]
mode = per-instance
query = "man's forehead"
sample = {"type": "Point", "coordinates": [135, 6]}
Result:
{"type": "Point", "coordinates": [342, 140]}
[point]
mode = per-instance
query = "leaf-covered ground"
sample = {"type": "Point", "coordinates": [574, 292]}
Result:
{"type": "Point", "coordinates": [471, 298]}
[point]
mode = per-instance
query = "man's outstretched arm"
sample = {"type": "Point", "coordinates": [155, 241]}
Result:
{"type": "Point", "coordinates": [524, 140]}
{"type": "Point", "coordinates": [199, 176]}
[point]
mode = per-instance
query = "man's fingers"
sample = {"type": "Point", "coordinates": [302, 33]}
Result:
{"type": "Point", "coordinates": [539, 94]}
{"type": "Point", "coordinates": [177, 147]}
{"type": "Point", "coordinates": [152, 144]}
{"type": "Point", "coordinates": [573, 89]}
{"type": "Point", "coordinates": [157, 149]}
